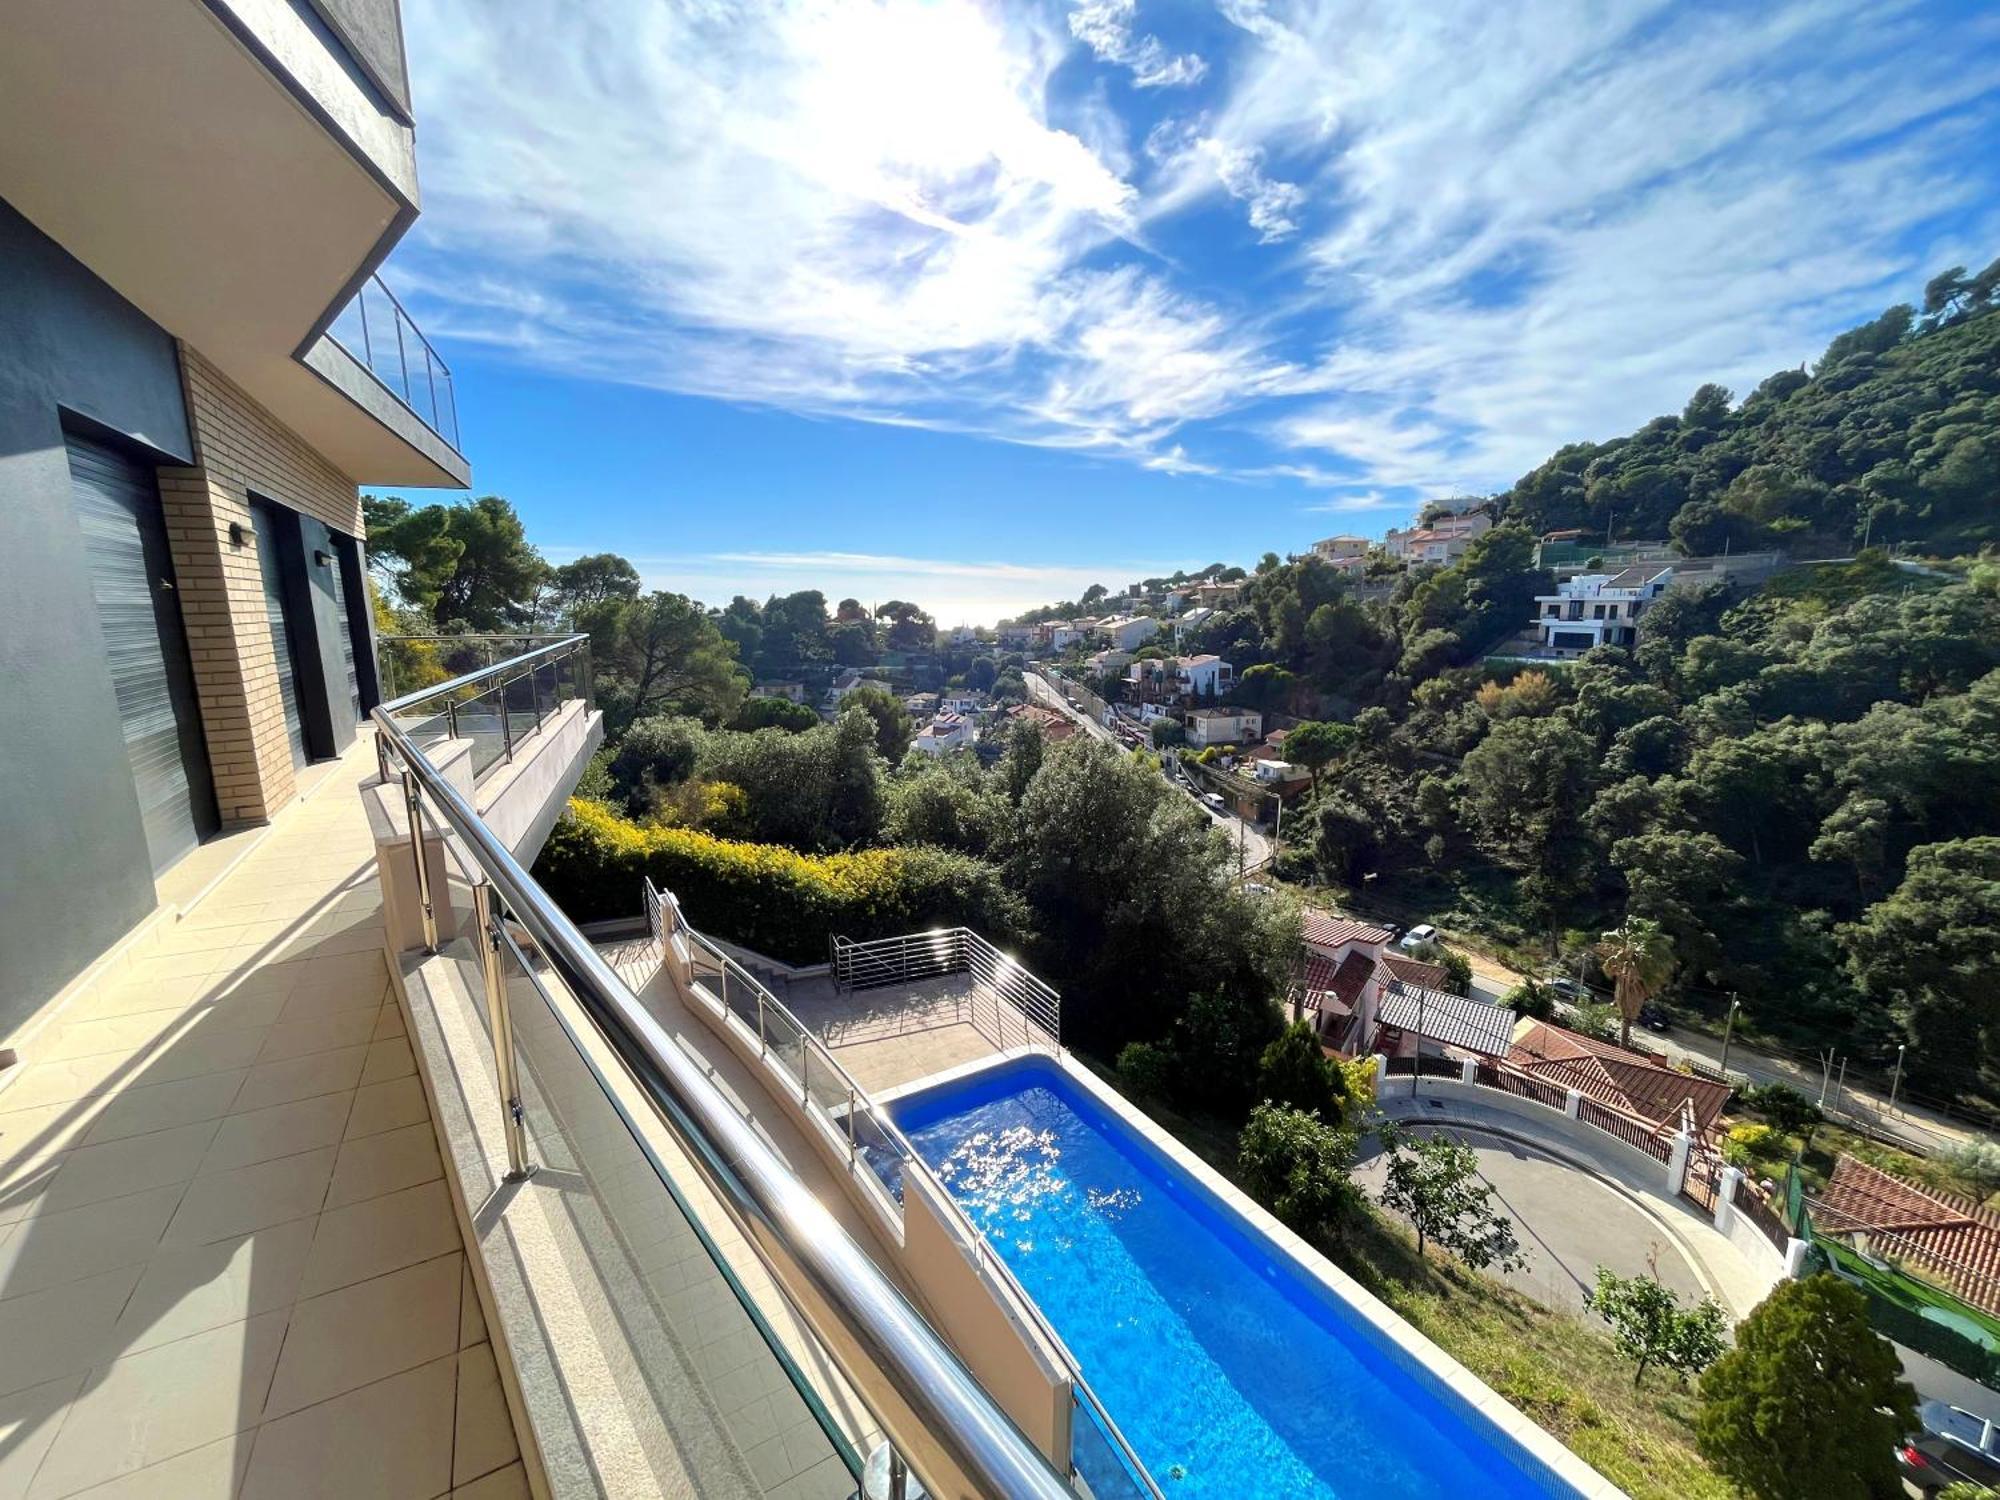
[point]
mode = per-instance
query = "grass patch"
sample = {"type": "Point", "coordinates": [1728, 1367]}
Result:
{"type": "Point", "coordinates": [1556, 1367]}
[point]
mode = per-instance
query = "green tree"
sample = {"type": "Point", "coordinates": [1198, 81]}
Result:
{"type": "Point", "coordinates": [982, 673]}
{"type": "Point", "coordinates": [1167, 732]}
{"type": "Point", "coordinates": [1651, 1327]}
{"type": "Point", "coordinates": [592, 580]}
{"type": "Point", "coordinates": [774, 713]}
{"type": "Point", "coordinates": [1811, 1403]}
{"type": "Point", "coordinates": [660, 651]}
{"type": "Point", "coordinates": [1637, 958]}
{"type": "Point", "coordinates": [1300, 1166]}
{"type": "Point", "coordinates": [469, 566]}
{"type": "Point", "coordinates": [1434, 1182]}
{"type": "Point", "coordinates": [1316, 744]}
{"type": "Point", "coordinates": [894, 728]}
{"type": "Point", "coordinates": [1296, 1072]}
{"type": "Point", "coordinates": [653, 754]}
{"type": "Point", "coordinates": [950, 803]}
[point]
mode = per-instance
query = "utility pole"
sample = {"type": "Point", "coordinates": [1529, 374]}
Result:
{"type": "Point", "coordinates": [1728, 1026]}
{"type": "Point", "coordinates": [1896, 1082]}
{"type": "Point", "coordinates": [1840, 1087]}
{"type": "Point", "coordinates": [1417, 1057]}
{"type": "Point", "coordinates": [1825, 1074]}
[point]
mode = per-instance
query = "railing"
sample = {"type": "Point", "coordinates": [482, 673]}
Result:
{"type": "Point", "coordinates": [954, 950]}
{"type": "Point", "coordinates": [410, 662]}
{"type": "Point", "coordinates": [1629, 1129]}
{"type": "Point", "coordinates": [936, 1416]}
{"type": "Point", "coordinates": [375, 330]}
{"type": "Point", "coordinates": [1751, 1203]}
{"type": "Point", "coordinates": [1513, 1081]}
{"type": "Point", "coordinates": [880, 1156]}
{"type": "Point", "coordinates": [495, 706]}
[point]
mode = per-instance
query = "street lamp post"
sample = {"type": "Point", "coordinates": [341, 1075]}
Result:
{"type": "Point", "coordinates": [1896, 1082]}
{"type": "Point", "coordinates": [1728, 1026]}
{"type": "Point", "coordinates": [1417, 1057]}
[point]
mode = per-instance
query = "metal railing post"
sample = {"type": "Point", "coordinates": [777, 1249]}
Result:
{"type": "Point", "coordinates": [500, 1020]}
{"type": "Point", "coordinates": [451, 721]}
{"type": "Point", "coordinates": [506, 726]}
{"type": "Point", "coordinates": [805, 1071]}
{"type": "Point", "coordinates": [852, 1102]}
{"type": "Point", "coordinates": [414, 807]}
{"type": "Point", "coordinates": [762, 1050]}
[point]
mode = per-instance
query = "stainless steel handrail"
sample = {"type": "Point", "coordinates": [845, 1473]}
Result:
{"type": "Point", "coordinates": [530, 660]}
{"type": "Point", "coordinates": [953, 1434]}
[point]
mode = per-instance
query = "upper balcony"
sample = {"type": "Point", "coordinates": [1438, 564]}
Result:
{"type": "Point", "coordinates": [236, 169]}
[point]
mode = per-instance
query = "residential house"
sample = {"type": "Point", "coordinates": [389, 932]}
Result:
{"type": "Point", "coordinates": [1192, 619]}
{"type": "Point", "coordinates": [1218, 595]}
{"type": "Point", "coordinates": [1181, 678]}
{"type": "Point", "coordinates": [790, 691]}
{"type": "Point", "coordinates": [921, 706]}
{"type": "Point", "coordinates": [1341, 548]}
{"type": "Point", "coordinates": [1055, 727]}
{"type": "Point", "coordinates": [1939, 1236]}
{"type": "Point", "coordinates": [966, 701]}
{"type": "Point", "coordinates": [1059, 635]}
{"type": "Point", "coordinates": [1620, 1078]}
{"type": "Point", "coordinates": [1015, 637]}
{"type": "Point", "coordinates": [1599, 609]}
{"type": "Point", "coordinates": [1128, 632]}
{"type": "Point", "coordinates": [1413, 1020]}
{"type": "Point", "coordinates": [845, 681]}
{"type": "Point", "coordinates": [1337, 976]}
{"type": "Point", "coordinates": [1173, 600]}
{"type": "Point", "coordinates": [1103, 662]}
{"type": "Point", "coordinates": [945, 733]}
{"type": "Point", "coordinates": [1221, 726]}
{"type": "Point", "coordinates": [1442, 539]}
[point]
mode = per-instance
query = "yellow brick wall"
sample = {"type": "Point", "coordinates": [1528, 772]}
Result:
{"type": "Point", "coordinates": [240, 449]}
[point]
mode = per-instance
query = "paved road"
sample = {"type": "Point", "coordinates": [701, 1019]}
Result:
{"type": "Point", "coordinates": [1256, 846]}
{"type": "Point", "coordinates": [1916, 1127]}
{"type": "Point", "coordinates": [1567, 1221]}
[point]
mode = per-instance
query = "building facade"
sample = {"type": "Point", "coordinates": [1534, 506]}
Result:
{"type": "Point", "coordinates": [1599, 609]}
{"type": "Point", "coordinates": [199, 370]}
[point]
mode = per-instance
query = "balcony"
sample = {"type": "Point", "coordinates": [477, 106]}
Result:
{"type": "Point", "coordinates": [374, 329]}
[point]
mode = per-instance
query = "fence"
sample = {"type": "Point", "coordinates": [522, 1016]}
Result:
{"type": "Point", "coordinates": [1750, 1202]}
{"type": "Point", "coordinates": [1701, 1184]}
{"type": "Point", "coordinates": [1495, 1075]}
{"type": "Point", "coordinates": [912, 957]}
{"type": "Point", "coordinates": [1628, 1128]}
{"type": "Point", "coordinates": [878, 1155]}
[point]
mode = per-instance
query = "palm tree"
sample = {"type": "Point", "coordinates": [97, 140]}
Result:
{"type": "Point", "coordinates": [1638, 958]}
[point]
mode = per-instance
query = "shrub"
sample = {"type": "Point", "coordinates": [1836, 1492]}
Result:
{"type": "Point", "coordinates": [1784, 1106]}
{"type": "Point", "coordinates": [1146, 1071]}
{"type": "Point", "coordinates": [1295, 1071]}
{"type": "Point", "coordinates": [764, 896]}
{"type": "Point", "coordinates": [1531, 1000]}
{"type": "Point", "coordinates": [1752, 1146]}
{"type": "Point", "coordinates": [655, 752]}
{"type": "Point", "coordinates": [1650, 1326]}
{"type": "Point", "coordinates": [1978, 1162]}
{"type": "Point", "coordinates": [1297, 1165]}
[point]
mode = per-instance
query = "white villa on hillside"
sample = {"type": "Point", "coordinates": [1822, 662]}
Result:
{"type": "Point", "coordinates": [945, 733]}
{"type": "Point", "coordinates": [1129, 632]}
{"type": "Point", "coordinates": [1599, 609]}
{"type": "Point", "coordinates": [1185, 677]}
{"type": "Point", "coordinates": [1222, 726]}
{"type": "Point", "coordinates": [1339, 548]}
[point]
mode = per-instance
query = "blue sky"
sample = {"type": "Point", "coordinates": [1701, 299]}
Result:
{"type": "Point", "coordinates": [976, 304]}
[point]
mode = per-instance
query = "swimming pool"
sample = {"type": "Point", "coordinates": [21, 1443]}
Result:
{"type": "Point", "coordinates": [1233, 1370]}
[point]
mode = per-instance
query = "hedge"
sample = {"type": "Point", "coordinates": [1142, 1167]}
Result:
{"type": "Point", "coordinates": [764, 896]}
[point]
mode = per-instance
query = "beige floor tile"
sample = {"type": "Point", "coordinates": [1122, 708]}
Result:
{"type": "Point", "coordinates": [380, 1235]}
{"type": "Point", "coordinates": [471, 1317]}
{"type": "Point", "coordinates": [162, 1106]}
{"type": "Point", "coordinates": [313, 998]}
{"type": "Point", "coordinates": [211, 1472]}
{"type": "Point", "coordinates": [62, 1247]}
{"type": "Point", "coordinates": [302, 1038]}
{"type": "Point", "coordinates": [389, 1023]}
{"type": "Point", "coordinates": [148, 1407]}
{"type": "Point", "coordinates": [126, 996]}
{"type": "Point", "coordinates": [29, 1136]}
{"type": "Point", "coordinates": [510, 1483]}
{"type": "Point", "coordinates": [363, 1333]}
{"type": "Point", "coordinates": [387, 1060]}
{"type": "Point", "coordinates": [483, 1437]}
{"type": "Point", "coordinates": [282, 1130]}
{"type": "Point", "coordinates": [190, 1291]}
{"type": "Point", "coordinates": [239, 1202]}
{"type": "Point", "coordinates": [373, 1165]}
{"type": "Point", "coordinates": [387, 1441]}
{"type": "Point", "coordinates": [387, 1106]}
{"type": "Point", "coordinates": [301, 1078]}
{"type": "Point", "coordinates": [62, 1331]}
{"type": "Point", "coordinates": [91, 1174]}
{"type": "Point", "coordinates": [29, 1423]}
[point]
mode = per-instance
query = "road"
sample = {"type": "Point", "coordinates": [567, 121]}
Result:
{"type": "Point", "coordinates": [1921, 1129]}
{"type": "Point", "coordinates": [1256, 846]}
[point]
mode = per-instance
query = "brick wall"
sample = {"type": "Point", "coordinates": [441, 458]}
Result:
{"type": "Point", "coordinates": [240, 449]}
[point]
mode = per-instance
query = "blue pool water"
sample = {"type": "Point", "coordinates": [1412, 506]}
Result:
{"type": "Point", "coordinates": [1231, 1374]}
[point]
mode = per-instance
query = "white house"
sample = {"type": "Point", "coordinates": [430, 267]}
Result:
{"type": "Point", "coordinates": [845, 681]}
{"type": "Point", "coordinates": [1183, 676]}
{"type": "Point", "coordinates": [1016, 636]}
{"type": "Point", "coordinates": [945, 733]}
{"type": "Point", "coordinates": [1222, 726]}
{"type": "Point", "coordinates": [964, 701]}
{"type": "Point", "coordinates": [1442, 539]}
{"type": "Point", "coordinates": [1191, 620]}
{"type": "Point", "coordinates": [1101, 662]}
{"type": "Point", "coordinates": [1129, 632]}
{"type": "Point", "coordinates": [791, 692]}
{"type": "Point", "coordinates": [1335, 548]}
{"type": "Point", "coordinates": [1173, 599]}
{"type": "Point", "coordinates": [1599, 609]}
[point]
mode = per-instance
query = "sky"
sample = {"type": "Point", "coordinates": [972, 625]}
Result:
{"type": "Point", "coordinates": [977, 304]}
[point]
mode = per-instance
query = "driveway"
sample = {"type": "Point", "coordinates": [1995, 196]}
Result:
{"type": "Point", "coordinates": [1568, 1222]}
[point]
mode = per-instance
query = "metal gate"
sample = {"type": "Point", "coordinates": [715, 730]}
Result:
{"type": "Point", "coordinates": [284, 647]}
{"type": "Point", "coordinates": [145, 642]}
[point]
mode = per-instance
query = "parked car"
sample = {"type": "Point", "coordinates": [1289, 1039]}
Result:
{"type": "Point", "coordinates": [1655, 1017]}
{"type": "Point", "coordinates": [1213, 799]}
{"type": "Point", "coordinates": [1417, 936]}
{"type": "Point", "coordinates": [1572, 990]}
{"type": "Point", "coordinates": [1955, 1445]}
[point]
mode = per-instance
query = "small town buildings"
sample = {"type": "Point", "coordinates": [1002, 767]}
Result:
{"type": "Point", "coordinates": [964, 701]}
{"type": "Point", "coordinates": [1182, 678]}
{"type": "Point", "coordinates": [1173, 600]}
{"type": "Point", "coordinates": [1016, 637]}
{"type": "Point", "coordinates": [1105, 661]}
{"type": "Point", "coordinates": [1599, 609]}
{"type": "Point", "coordinates": [1221, 726]}
{"type": "Point", "coordinates": [1412, 1020]}
{"type": "Point", "coordinates": [921, 706]}
{"type": "Point", "coordinates": [845, 681]}
{"type": "Point", "coordinates": [1128, 632]}
{"type": "Point", "coordinates": [1341, 548]}
{"type": "Point", "coordinates": [945, 733]}
{"type": "Point", "coordinates": [1619, 1078]}
{"type": "Point", "coordinates": [1216, 595]}
{"type": "Point", "coordinates": [1059, 635]}
{"type": "Point", "coordinates": [1442, 539]}
{"type": "Point", "coordinates": [790, 691]}
{"type": "Point", "coordinates": [1192, 619]}
{"type": "Point", "coordinates": [1054, 727]}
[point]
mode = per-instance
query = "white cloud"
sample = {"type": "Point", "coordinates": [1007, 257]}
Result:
{"type": "Point", "coordinates": [1106, 28]}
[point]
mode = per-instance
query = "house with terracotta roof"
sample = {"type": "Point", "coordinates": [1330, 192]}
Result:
{"type": "Point", "coordinates": [1941, 1236]}
{"type": "Point", "coordinates": [1337, 979]}
{"type": "Point", "coordinates": [1619, 1078]}
{"type": "Point", "coordinates": [1054, 727]}
{"type": "Point", "coordinates": [1414, 1020]}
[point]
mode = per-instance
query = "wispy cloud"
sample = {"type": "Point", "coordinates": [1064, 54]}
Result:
{"type": "Point", "coordinates": [930, 214]}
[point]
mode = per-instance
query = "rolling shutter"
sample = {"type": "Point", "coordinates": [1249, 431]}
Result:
{"type": "Point", "coordinates": [131, 578]}
{"type": "Point", "coordinates": [282, 644]}
{"type": "Point", "coordinates": [345, 630]}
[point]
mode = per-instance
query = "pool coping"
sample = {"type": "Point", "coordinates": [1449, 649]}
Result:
{"type": "Point", "coordinates": [1549, 1463]}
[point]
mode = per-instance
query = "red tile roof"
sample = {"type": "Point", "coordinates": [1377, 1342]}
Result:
{"type": "Point", "coordinates": [1949, 1237]}
{"type": "Point", "coordinates": [1335, 987]}
{"type": "Point", "coordinates": [1617, 1076]}
{"type": "Point", "coordinates": [1324, 930]}
{"type": "Point", "coordinates": [1415, 971]}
